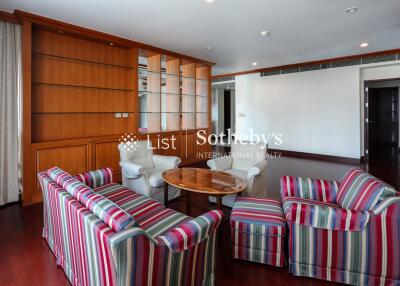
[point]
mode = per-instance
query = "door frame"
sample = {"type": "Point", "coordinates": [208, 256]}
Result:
{"type": "Point", "coordinates": [366, 114]}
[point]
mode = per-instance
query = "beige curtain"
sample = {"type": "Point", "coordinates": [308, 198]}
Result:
{"type": "Point", "coordinates": [10, 99]}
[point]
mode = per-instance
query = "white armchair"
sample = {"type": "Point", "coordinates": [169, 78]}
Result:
{"type": "Point", "coordinates": [247, 161]}
{"type": "Point", "coordinates": [142, 171]}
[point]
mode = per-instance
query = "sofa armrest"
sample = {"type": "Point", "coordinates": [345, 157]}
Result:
{"type": "Point", "coordinates": [132, 170]}
{"type": "Point", "coordinates": [257, 169]}
{"type": "Point", "coordinates": [220, 164]}
{"type": "Point", "coordinates": [164, 163]}
{"type": "Point", "coordinates": [391, 202]}
{"type": "Point", "coordinates": [307, 188]}
{"type": "Point", "coordinates": [192, 232]}
{"type": "Point", "coordinates": [325, 216]}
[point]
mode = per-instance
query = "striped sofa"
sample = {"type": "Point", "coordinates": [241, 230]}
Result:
{"type": "Point", "coordinates": [111, 235]}
{"type": "Point", "coordinates": [347, 231]}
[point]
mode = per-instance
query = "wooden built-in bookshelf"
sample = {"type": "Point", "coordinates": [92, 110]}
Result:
{"type": "Point", "coordinates": [84, 89]}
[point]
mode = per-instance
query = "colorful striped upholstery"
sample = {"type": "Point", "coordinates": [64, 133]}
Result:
{"type": "Point", "coordinates": [76, 188]}
{"type": "Point", "coordinates": [92, 253]}
{"type": "Point", "coordinates": [335, 244]}
{"type": "Point", "coordinates": [105, 209]}
{"type": "Point", "coordinates": [324, 216]}
{"type": "Point", "coordinates": [109, 212]}
{"type": "Point", "coordinates": [361, 191]}
{"type": "Point", "coordinates": [162, 222]}
{"type": "Point", "coordinates": [313, 189]}
{"type": "Point", "coordinates": [258, 231]}
{"type": "Point", "coordinates": [96, 178]}
{"type": "Point", "coordinates": [137, 205]}
{"type": "Point", "coordinates": [186, 235]}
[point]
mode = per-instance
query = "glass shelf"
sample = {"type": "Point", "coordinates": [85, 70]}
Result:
{"type": "Point", "coordinates": [202, 120]}
{"type": "Point", "coordinates": [188, 120]}
{"type": "Point", "coordinates": [201, 104]}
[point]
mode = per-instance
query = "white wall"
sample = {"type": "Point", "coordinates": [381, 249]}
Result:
{"type": "Point", "coordinates": [316, 112]}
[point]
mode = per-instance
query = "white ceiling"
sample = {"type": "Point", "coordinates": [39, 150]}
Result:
{"type": "Point", "coordinates": [301, 30]}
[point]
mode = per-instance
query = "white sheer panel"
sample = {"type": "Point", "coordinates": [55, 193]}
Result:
{"type": "Point", "coordinates": [10, 102]}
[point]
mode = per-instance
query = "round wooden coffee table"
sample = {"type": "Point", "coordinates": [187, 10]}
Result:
{"type": "Point", "coordinates": [211, 183]}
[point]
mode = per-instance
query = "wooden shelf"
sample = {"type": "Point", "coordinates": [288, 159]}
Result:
{"type": "Point", "coordinates": [81, 86]}
{"type": "Point", "coordinates": [81, 61]}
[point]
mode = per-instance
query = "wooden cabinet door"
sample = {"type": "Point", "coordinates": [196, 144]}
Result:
{"type": "Point", "coordinates": [187, 144]}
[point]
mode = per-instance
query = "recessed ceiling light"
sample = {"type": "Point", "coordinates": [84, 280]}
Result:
{"type": "Point", "coordinates": [208, 48]}
{"type": "Point", "coordinates": [209, 1]}
{"type": "Point", "coordinates": [111, 44]}
{"type": "Point", "coordinates": [351, 10]}
{"type": "Point", "coordinates": [364, 45]}
{"type": "Point", "coordinates": [254, 64]}
{"type": "Point", "coordinates": [264, 33]}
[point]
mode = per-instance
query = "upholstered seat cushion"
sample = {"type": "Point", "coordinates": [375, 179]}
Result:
{"type": "Point", "coordinates": [258, 231]}
{"type": "Point", "coordinates": [148, 213]}
{"type": "Point", "coordinates": [240, 173]}
{"type": "Point", "coordinates": [138, 206]}
{"type": "Point", "coordinates": [162, 221]}
{"type": "Point", "coordinates": [259, 216]}
{"type": "Point", "coordinates": [360, 190]}
{"type": "Point", "coordinates": [155, 178]}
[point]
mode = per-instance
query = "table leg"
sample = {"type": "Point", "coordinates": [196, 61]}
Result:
{"type": "Point", "coordinates": [188, 203]}
{"type": "Point", "coordinates": [219, 202]}
{"type": "Point", "coordinates": [166, 194]}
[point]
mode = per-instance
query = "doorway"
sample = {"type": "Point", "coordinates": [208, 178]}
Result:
{"type": "Point", "coordinates": [227, 111]}
{"type": "Point", "coordinates": [382, 123]}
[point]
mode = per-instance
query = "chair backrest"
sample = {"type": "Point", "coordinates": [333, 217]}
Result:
{"type": "Point", "coordinates": [139, 152]}
{"type": "Point", "coordinates": [246, 154]}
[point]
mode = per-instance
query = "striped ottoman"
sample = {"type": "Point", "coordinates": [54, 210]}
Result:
{"type": "Point", "coordinates": [258, 231]}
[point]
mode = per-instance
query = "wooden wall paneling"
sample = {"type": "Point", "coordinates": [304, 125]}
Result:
{"type": "Point", "coordinates": [58, 99]}
{"type": "Point", "coordinates": [187, 144]}
{"type": "Point", "coordinates": [57, 71]}
{"type": "Point", "coordinates": [51, 127]}
{"type": "Point", "coordinates": [107, 155]}
{"type": "Point", "coordinates": [8, 17]}
{"type": "Point", "coordinates": [28, 176]}
{"type": "Point", "coordinates": [73, 157]}
{"type": "Point", "coordinates": [89, 34]}
{"type": "Point", "coordinates": [59, 44]}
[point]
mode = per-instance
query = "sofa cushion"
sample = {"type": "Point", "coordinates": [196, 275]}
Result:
{"type": "Point", "coordinates": [258, 216]}
{"type": "Point", "coordinates": [163, 221]}
{"type": "Point", "coordinates": [360, 190]}
{"type": "Point", "coordinates": [155, 178]}
{"type": "Point", "coordinates": [138, 206]}
{"type": "Point", "coordinates": [94, 179]}
{"type": "Point", "coordinates": [109, 212]}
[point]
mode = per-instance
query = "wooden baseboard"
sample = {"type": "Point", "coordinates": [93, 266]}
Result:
{"type": "Point", "coordinates": [321, 157]}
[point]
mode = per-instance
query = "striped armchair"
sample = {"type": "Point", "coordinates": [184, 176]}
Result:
{"type": "Point", "coordinates": [347, 231]}
{"type": "Point", "coordinates": [111, 235]}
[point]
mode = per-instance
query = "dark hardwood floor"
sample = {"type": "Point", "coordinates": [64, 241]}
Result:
{"type": "Point", "coordinates": [25, 258]}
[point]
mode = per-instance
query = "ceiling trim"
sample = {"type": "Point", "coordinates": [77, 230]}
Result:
{"type": "Point", "coordinates": [304, 64]}
{"type": "Point", "coordinates": [97, 35]}
{"type": "Point", "coordinates": [8, 17]}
